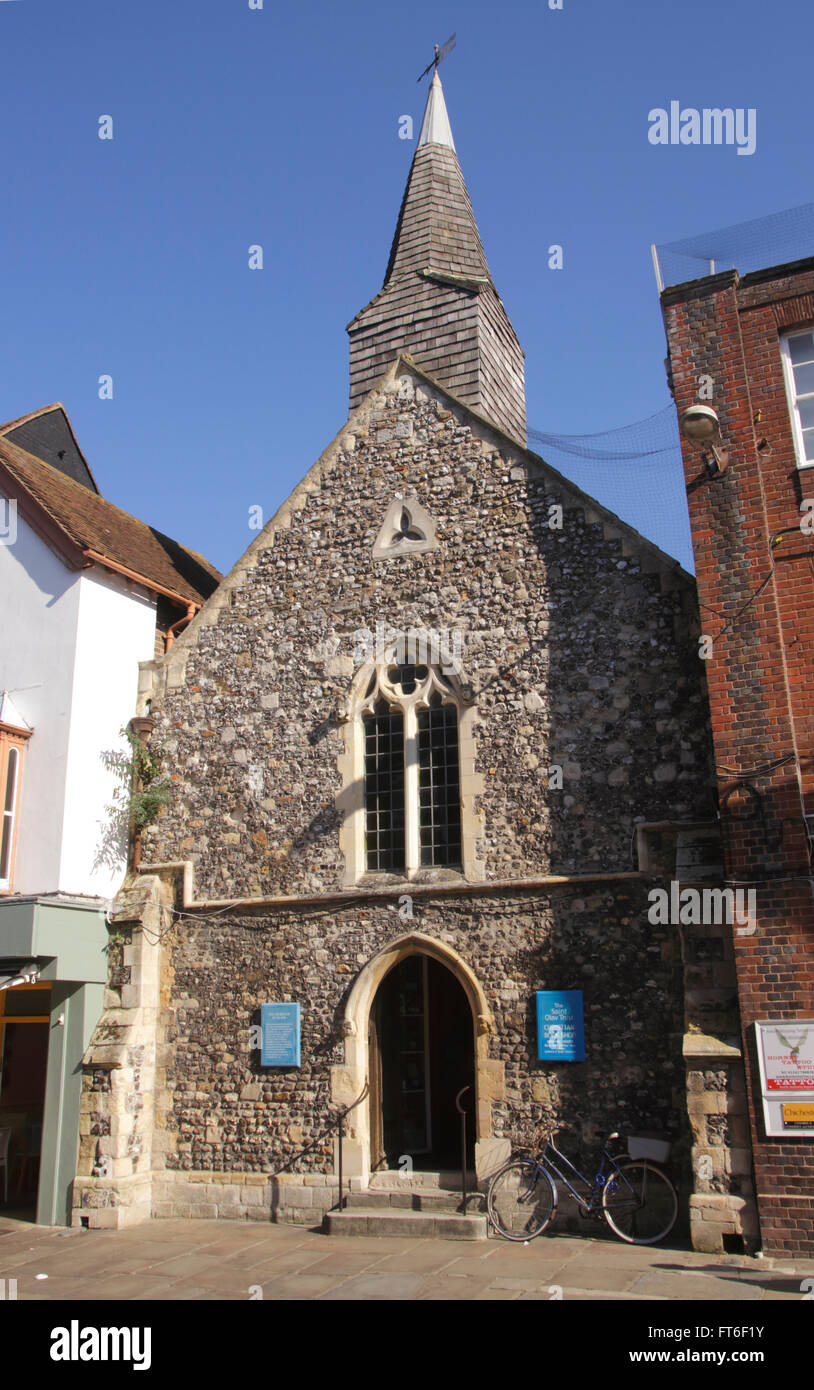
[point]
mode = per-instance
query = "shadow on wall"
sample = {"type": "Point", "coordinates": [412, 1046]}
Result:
{"type": "Point", "coordinates": [114, 829]}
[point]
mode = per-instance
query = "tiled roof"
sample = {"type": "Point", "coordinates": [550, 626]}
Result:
{"type": "Point", "coordinates": [48, 434]}
{"type": "Point", "coordinates": [95, 527]}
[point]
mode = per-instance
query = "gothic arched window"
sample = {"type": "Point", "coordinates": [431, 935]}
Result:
{"type": "Point", "coordinates": [412, 780]}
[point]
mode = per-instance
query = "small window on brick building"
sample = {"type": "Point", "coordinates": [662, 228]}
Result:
{"type": "Point", "coordinates": [798, 365]}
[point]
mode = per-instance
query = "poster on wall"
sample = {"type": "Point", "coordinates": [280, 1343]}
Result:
{"type": "Point", "coordinates": [280, 1035]}
{"type": "Point", "coordinates": [560, 1030]}
{"type": "Point", "coordinates": [785, 1049]}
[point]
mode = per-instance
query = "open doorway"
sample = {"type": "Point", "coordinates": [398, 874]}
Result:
{"type": "Point", "coordinates": [422, 1053]}
{"type": "Point", "coordinates": [24, 1036]}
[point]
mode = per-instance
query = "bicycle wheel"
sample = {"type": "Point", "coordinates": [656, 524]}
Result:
{"type": "Point", "coordinates": [640, 1203]}
{"type": "Point", "coordinates": [522, 1200]}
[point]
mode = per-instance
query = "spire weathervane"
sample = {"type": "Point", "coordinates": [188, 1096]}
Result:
{"type": "Point", "coordinates": [440, 55]}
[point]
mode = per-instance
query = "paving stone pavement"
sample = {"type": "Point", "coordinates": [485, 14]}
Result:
{"type": "Point", "coordinates": [231, 1260]}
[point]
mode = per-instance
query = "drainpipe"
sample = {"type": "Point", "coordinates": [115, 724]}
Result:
{"type": "Point", "coordinates": [173, 631]}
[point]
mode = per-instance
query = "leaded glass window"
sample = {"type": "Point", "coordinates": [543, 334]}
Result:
{"type": "Point", "coordinates": [439, 795]}
{"type": "Point", "coordinates": [410, 772]}
{"type": "Point", "coordinates": [384, 789]}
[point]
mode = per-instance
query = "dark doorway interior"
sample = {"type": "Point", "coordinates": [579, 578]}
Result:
{"type": "Point", "coordinates": [24, 1033]}
{"type": "Point", "coordinates": [422, 1046]}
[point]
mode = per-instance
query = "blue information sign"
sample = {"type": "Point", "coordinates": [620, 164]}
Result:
{"type": "Point", "coordinates": [560, 1031]}
{"type": "Point", "coordinates": [280, 1035]}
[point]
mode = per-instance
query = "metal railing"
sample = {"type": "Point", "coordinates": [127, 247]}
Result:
{"type": "Point", "coordinates": [464, 1166]}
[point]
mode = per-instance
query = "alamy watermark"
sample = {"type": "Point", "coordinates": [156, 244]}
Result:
{"type": "Point", "coordinates": [418, 646]}
{"type": "Point", "coordinates": [712, 125]}
{"type": "Point", "coordinates": [75, 1343]}
{"type": "Point", "coordinates": [703, 907]}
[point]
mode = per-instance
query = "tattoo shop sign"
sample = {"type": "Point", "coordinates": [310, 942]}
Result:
{"type": "Point", "coordinates": [785, 1050]}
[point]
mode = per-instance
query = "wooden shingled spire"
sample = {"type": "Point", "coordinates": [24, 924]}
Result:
{"type": "Point", "coordinates": [438, 302]}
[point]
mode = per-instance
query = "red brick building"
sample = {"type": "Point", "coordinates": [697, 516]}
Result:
{"type": "Point", "coordinates": [742, 347]}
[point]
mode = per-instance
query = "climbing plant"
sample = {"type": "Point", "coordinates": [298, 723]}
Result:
{"type": "Point", "coordinates": [141, 791]}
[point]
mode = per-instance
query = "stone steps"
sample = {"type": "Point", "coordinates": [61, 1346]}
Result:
{"type": "Point", "coordinates": [395, 1221]}
{"type": "Point", "coordinates": [395, 1180]}
{"type": "Point", "coordinates": [420, 1205]}
{"type": "Point", "coordinates": [414, 1199]}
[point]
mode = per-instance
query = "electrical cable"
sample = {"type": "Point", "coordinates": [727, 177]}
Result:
{"type": "Point", "coordinates": [740, 611]}
{"type": "Point", "coordinates": [760, 771]}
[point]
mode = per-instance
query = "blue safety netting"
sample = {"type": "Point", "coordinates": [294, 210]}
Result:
{"type": "Point", "coordinates": [635, 471]}
{"type": "Point", "coordinates": [755, 245]}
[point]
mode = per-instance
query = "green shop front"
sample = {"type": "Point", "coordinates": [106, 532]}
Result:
{"type": "Point", "coordinates": [53, 969]}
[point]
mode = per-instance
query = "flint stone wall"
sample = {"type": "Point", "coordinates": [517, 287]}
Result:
{"type": "Point", "coordinates": [227, 1113]}
{"type": "Point", "coordinates": [579, 644]}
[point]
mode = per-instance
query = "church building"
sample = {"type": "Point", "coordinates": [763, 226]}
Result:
{"type": "Point", "coordinates": [433, 741]}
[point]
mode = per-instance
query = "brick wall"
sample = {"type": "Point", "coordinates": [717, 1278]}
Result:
{"type": "Point", "coordinates": [756, 600]}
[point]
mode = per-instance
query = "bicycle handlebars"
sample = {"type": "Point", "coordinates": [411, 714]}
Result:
{"type": "Point", "coordinates": [543, 1136]}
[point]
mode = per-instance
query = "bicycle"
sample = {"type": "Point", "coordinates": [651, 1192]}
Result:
{"type": "Point", "coordinates": [634, 1195]}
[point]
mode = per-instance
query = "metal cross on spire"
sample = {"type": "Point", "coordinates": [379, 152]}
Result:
{"type": "Point", "coordinates": [440, 54]}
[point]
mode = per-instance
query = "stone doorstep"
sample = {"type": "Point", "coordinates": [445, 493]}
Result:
{"type": "Point", "coordinates": [395, 1180]}
{"type": "Point", "coordinates": [420, 1225]}
{"type": "Point", "coordinates": [414, 1199]}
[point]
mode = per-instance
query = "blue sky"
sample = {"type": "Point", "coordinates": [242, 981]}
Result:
{"type": "Point", "coordinates": [279, 127]}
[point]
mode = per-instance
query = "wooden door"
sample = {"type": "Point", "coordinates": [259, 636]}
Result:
{"type": "Point", "coordinates": [377, 1156]}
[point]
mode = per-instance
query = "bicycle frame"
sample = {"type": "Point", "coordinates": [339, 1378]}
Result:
{"type": "Point", "coordinates": [553, 1162]}
{"type": "Point", "coordinates": [637, 1199]}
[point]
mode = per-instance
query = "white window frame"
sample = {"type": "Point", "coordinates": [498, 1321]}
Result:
{"type": "Point", "coordinates": [9, 746]}
{"type": "Point", "coordinates": [803, 464]}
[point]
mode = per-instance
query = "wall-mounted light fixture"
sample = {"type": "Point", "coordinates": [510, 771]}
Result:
{"type": "Point", "coordinates": [699, 424]}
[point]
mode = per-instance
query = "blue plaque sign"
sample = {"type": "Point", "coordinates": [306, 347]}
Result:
{"type": "Point", "coordinates": [560, 1030]}
{"type": "Point", "coordinates": [280, 1035]}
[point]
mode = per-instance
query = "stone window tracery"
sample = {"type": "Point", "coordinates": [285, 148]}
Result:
{"type": "Point", "coordinates": [407, 529]}
{"type": "Point", "coordinates": [412, 783]}
{"type": "Point", "coordinates": [410, 693]}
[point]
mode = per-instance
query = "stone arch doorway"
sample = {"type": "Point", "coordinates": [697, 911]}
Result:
{"type": "Point", "coordinates": [421, 1055]}
{"type": "Point", "coordinates": [349, 1079]}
